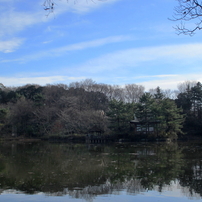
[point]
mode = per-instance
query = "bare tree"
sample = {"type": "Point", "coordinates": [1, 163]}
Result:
{"type": "Point", "coordinates": [172, 94]}
{"type": "Point", "coordinates": [188, 10]}
{"type": "Point", "coordinates": [167, 93]}
{"type": "Point", "coordinates": [87, 84]}
{"type": "Point", "coordinates": [186, 85]}
{"type": "Point", "coordinates": [133, 92]}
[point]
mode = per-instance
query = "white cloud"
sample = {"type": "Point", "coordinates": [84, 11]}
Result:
{"type": "Point", "coordinates": [123, 58]}
{"type": "Point", "coordinates": [10, 46]}
{"type": "Point", "coordinates": [19, 81]}
{"type": "Point", "coordinates": [93, 43]}
{"type": "Point", "coordinates": [73, 47]}
{"type": "Point", "coordinates": [81, 6]}
{"type": "Point", "coordinates": [151, 81]}
{"type": "Point", "coordinates": [169, 82]}
{"type": "Point", "coordinates": [46, 42]}
{"type": "Point", "coordinates": [12, 21]}
{"type": "Point", "coordinates": [137, 56]}
{"type": "Point", "coordinates": [156, 76]}
{"type": "Point", "coordinates": [163, 81]}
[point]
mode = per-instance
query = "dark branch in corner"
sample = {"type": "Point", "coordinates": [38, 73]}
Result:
{"type": "Point", "coordinates": [49, 6]}
{"type": "Point", "coordinates": [188, 11]}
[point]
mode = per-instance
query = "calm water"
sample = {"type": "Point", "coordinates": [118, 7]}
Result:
{"type": "Point", "coordinates": [123, 172]}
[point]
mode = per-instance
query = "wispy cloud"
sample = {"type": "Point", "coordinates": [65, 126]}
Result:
{"type": "Point", "coordinates": [81, 6]}
{"type": "Point", "coordinates": [138, 56]}
{"type": "Point", "coordinates": [163, 81]}
{"type": "Point", "coordinates": [15, 19]}
{"type": "Point", "coordinates": [169, 82]}
{"type": "Point", "coordinates": [12, 21]}
{"type": "Point", "coordinates": [10, 46]}
{"type": "Point", "coordinates": [156, 76]}
{"type": "Point", "coordinates": [19, 81]}
{"type": "Point", "coordinates": [92, 44]}
{"type": "Point", "coordinates": [73, 47]}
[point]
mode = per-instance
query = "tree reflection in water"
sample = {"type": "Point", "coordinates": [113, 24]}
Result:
{"type": "Point", "coordinates": [86, 171]}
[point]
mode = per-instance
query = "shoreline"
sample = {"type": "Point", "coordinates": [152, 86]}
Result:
{"type": "Point", "coordinates": [82, 139]}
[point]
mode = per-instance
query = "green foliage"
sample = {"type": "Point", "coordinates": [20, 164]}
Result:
{"type": "Point", "coordinates": [164, 112]}
{"type": "Point", "coordinates": [171, 119]}
{"type": "Point", "coordinates": [145, 108]}
{"type": "Point", "coordinates": [3, 116]}
{"type": "Point", "coordinates": [120, 115]}
{"type": "Point", "coordinates": [191, 103]}
{"type": "Point", "coordinates": [33, 93]}
{"type": "Point", "coordinates": [7, 96]}
{"type": "Point", "coordinates": [32, 110]}
{"type": "Point", "coordinates": [38, 111]}
{"type": "Point", "coordinates": [158, 94]}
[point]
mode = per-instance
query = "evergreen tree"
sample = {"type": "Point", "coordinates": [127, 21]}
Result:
{"type": "Point", "coordinates": [158, 94]}
{"type": "Point", "coordinates": [120, 114]}
{"type": "Point", "coordinates": [162, 111]}
{"type": "Point", "coordinates": [191, 103]}
{"type": "Point", "coordinates": [145, 111]}
{"type": "Point", "coordinates": [171, 119]}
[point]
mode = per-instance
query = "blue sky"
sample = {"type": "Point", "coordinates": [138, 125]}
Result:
{"type": "Point", "coordinates": [110, 41]}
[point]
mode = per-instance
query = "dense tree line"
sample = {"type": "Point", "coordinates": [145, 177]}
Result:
{"type": "Point", "coordinates": [37, 111]}
{"type": "Point", "coordinates": [155, 110]}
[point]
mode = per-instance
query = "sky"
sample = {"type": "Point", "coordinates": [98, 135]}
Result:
{"type": "Point", "coordinates": [114, 42]}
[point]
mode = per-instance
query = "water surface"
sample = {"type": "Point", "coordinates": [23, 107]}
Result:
{"type": "Point", "coordinates": [120, 172]}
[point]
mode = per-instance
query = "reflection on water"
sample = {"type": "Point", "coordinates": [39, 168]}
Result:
{"type": "Point", "coordinates": [88, 172]}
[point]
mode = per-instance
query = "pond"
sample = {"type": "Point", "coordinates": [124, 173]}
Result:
{"type": "Point", "coordinates": [119, 172]}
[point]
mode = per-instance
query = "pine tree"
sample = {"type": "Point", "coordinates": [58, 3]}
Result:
{"type": "Point", "coordinates": [191, 103]}
{"type": "Point", "coordinates": [171, 119]}
{"type": "Point", "coordinates": [162, 111]}
{"type": "Point", "coordinates": [120, 114]}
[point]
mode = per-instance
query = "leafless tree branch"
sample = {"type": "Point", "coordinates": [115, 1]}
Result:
{"type": "Point", "coordinates": [49, 5]}
{"type": "Point", "coordinates": [188, 10]}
